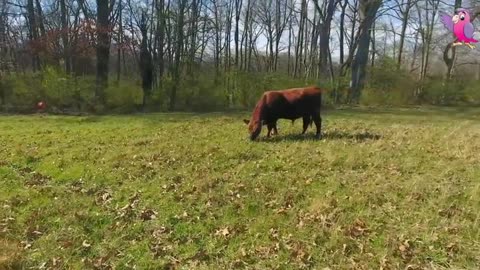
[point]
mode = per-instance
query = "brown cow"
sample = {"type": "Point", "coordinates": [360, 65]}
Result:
{"type": "Point", "coordinates": [287, 104]}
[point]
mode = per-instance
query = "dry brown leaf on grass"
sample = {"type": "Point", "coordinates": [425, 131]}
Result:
{"type": "Point", "coordinates": [85, 244]}
{"type": "Point", "coordinates": [450, 211]}
{"type": "Point", "coordinates": [129, 209]}
{"type": "Point", "coordinates": [274, 234]}
{"type": "Point", "coordinates": [98, 263]}
{"type": "Point", "coordinates": [357, 229]}
{"type": "Point", "coordinates": [184, 215]}
{"type": "Point", "coordinates": [300, 255]}
{"type": "Point", "coordinates": [65, 244]}
{"type": "Point", "coordinates": [385, 264]}
{"type": "Point", "coordinates": [281, 210]}
{"type": "Point", "coordinates": [37, 179]}
{"type": "Point", "coordinates": [406, 250]}
{"type": "Point", "coordinates": [103, 197]}
{"type": "Point", "coordinates": [148, 214]}
{"type": "Point", "coordinates": [26, 245]}
{"type": "Point", "coordinates": [160, 232]}
{"type": "Point", "coordinates": [224, 232]}
{"type": "Point", "coordinates": [413, 267]}
{"type": "Point", "coordinates": [452, 249]}
{"type": "Point", "coordinates": [300, 224]}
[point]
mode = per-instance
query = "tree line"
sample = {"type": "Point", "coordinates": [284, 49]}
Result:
{"type": "Point", "coordinates": [182, 50]}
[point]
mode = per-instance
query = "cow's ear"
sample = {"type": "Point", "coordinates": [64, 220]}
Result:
{"type": "Point", "coordinates": [246, 121]}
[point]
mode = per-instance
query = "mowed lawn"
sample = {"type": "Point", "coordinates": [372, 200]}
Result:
{"type": "Point", "coordinates": [384, 189]}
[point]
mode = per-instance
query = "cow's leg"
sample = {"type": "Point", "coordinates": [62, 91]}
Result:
{"type": "Point", "coordinates": [275, 131]}
{"type": "Point", "coordinates": [270, 126]}
{"type": "Point", "coordinates": [317, 119]}
{"type": "Point", "coordinates": [306, 121]}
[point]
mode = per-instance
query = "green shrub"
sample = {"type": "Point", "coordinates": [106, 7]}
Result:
{"type": "Point", "coordinates": [437, 91]}
{"type": "Point", "coordinates": [22, 92]}
{"type": "Point", "coordinates": [472, 92]}
{"type": "Point", "coordinates": [207, 91]}
{"type": "Point", "coordinates": [123, 97]}
{"type": "Point", "coordinates": [56, 87]}
{"type": "Point", "coordinates": [387, 85]}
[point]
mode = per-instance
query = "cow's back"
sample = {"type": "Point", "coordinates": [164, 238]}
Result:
{"type": "Point", "coordinates": [293, 103]}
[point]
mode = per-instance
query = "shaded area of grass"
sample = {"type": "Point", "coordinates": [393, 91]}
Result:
{"type": "Point", "coordinates": [391, 188]}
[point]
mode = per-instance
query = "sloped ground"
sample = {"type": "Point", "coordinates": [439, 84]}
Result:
{"type": "Point", "coordinates": [385, 189]}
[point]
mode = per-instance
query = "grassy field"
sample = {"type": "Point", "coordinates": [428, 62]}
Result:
{"type": "Point", "coordinates": [384, 189]}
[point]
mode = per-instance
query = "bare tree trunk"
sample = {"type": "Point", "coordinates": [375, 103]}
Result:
{"type": "Point", "coordinates": [314, 36]}
{"type": "Point", "coordinates": [300, 40]}
{"type": "Point", "coordinates": [146, 65]}
{"type": "Point", "coordinates": [238, 9]}
{"type": "Point", "coordinates": [65, 32]}
{"type": "Point", "coordinates": [373, 46]}
{"type": "Point", "coordinates": [250, 38]}
{"type": "Point", "coordinates": [282, 18]}
{"type": "Point", "coordinates": [394, 39]}
{"type": "Point", "coordinates": [289, 61]}
{"type": "Point", "coordinates": [368, 10]}
{"type": "Point", "coordinates": [414, 56]}
{"type": "Point", "coordinates": [342, 31]}
{"type": "Point", "coordinates": [178, 52]}
{"type": "Point", "coordinates": [265, 14]}
{"type": "Point", "coordinates": [33, 35]}
{"type": "Point", "coordinates": [228, 33]}
{"type": "Point", "coordinates": [431, 13]}
{"type": "Point", "coordinates": [218, 37]}
{"type": "Point", "coordinates": [305, 64]}
{"type": "Point", "coordinates": [161, 38]}
{"type": "Point", "coordinates": [326, 14]}
{"type": "Point", "coordinates": [169, 37]}
{"type": "Point", "coordinates": [40, 18]}
{"type": "Point", "coordinates": [3, 51]}
{"type": "Point", "coordinates": [244, 42]}
{"type": "Point", "coordinates": [103, 49]}
{"type": "Point", "coordinates": [405, 16]}
{"type": "Point", "coordinates": [119, 40]}
{"type": "Point", "coordinates": [355, 7]}
{"type": "Point", "coordinates": [352, 40]}
{"type": "Point", "coordinates": [193, 35]}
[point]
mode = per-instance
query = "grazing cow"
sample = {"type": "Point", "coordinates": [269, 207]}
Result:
{"type": "Point", "coordinates": [287, 104]}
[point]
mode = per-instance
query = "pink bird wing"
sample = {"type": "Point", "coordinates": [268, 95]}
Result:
{"type": "Point", "coordinates": [447, 21]}
{"type": "Point", "coordinates": [468, 30]}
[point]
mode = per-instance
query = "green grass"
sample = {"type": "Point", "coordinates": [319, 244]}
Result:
{"type": "Point", "coordinates": [384, 189]}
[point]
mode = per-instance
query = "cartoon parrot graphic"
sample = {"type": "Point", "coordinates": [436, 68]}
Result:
{"type": "Point", "coordinates": [461, 27]}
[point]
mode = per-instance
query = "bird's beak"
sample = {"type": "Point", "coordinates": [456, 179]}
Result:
{"type": "Point", "coordinates": [455, 19]}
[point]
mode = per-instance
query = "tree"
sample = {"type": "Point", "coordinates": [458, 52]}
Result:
{"type": "Point", "coordinates": [404, 13]}
{"type": "Point", "coordinates": [426, 16]}
{"type": "Point", "coordinates": [367, 11]}
{"type": "Point", "coordinates": [300, 39]}
{"type": "Point", "coordinates": [65, 32]}
{"type": "Point", "coordinates": [104, 8]}
{"type": "Point", "coordinates": [178, 53]}
{"type": "Point", "coordinates": [146, 65]}
{"type": "Point", "coordinates": [342, 30]}
{"type": "Point", "coordinates": [33, 34]}
{"type": "Point", "coordinates": [238, 10]}
{"type": "Point", "coordinates": [326, 12]}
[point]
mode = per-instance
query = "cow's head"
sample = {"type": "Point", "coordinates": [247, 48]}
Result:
{"type": "Point", "coordinates": [254, 128]}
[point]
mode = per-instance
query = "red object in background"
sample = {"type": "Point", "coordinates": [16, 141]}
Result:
{"type": "Point", "coordinates": [41, 105]}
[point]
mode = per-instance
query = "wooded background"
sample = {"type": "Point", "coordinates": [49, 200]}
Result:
{"type": "Point", "coordinates": [128, 55]}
